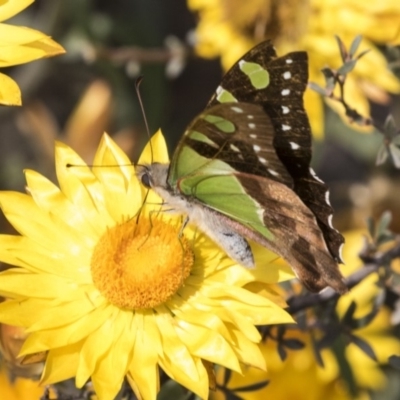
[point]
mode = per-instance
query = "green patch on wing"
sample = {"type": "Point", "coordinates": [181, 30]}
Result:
{"type": "Point", "coordinates": [259, 77]}
{"type": "Point", "coordinates": [221, 123]}
{"type": "Point", "coordinates": [201, 137]}
{"type": "Point", "coordinates": [224, 96]}
{"type": "Point", "coordinates": [188, 162]}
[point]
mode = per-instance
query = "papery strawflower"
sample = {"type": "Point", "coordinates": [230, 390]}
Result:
{"type": "Point", "coordinates": [111, 289]}
{"type": "Point", "coordinates": [229, 28]}
{"type": "Point", "coordinates": [19, 45]}
{"type": "Point", "coordinates": [301, 368]}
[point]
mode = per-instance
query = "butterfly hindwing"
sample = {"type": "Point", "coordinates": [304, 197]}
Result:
{"type": "Point", "coordinates": [278, 85]}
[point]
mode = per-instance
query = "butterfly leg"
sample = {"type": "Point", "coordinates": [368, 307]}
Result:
{"type": "Point", "coordinates": [184, 224]}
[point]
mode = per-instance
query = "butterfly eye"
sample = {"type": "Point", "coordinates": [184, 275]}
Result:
{"type": "Point", "coordinates": [146, 180]}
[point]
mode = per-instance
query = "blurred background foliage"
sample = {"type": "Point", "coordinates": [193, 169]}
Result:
{"type": "Point", "coordinates": [74, 98]}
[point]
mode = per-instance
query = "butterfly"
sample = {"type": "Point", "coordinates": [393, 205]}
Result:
{"type": "Point", "coordinates": [241, 171]}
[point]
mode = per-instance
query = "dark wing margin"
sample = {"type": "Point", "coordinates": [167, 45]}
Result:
{"type": "Point", "coordinates": [282, 100]}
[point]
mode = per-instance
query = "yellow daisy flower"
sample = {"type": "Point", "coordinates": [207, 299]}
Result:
{"type": "Point", "coordinates": [19, 45]}
{"type": "Point", "coordinates": [110, 287]}
{"type": "Point", "coordinates": [300, 367]}
{"type": "Point", "coordinates": [229, 29]}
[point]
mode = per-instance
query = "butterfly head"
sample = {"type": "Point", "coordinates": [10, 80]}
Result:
{"type": "Point", "coordinates": [153, 175]}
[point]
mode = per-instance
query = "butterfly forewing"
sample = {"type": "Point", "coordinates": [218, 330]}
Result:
{"type": "Point", "coordinates": [239, 135]}
{"type": "Point", "coordinates": [278, 85]}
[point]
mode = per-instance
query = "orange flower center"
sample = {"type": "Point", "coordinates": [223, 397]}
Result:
{"type": "Point", "coordinates": [138, 265]}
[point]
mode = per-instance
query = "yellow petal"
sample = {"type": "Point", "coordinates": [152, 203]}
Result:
{"type": "Point", "coordinates": [22, 312]}
{"type": "Point", "coordinates": [9, 8]}
{"type": "Point", "coordinates": [80, 185]}
{"type": "Point", "coordinates": [73, 333]}
{"type": "Point", "coordinates": [155, 150]}
{"type": "Point", "coordinates": [111, 359]}
{"type": "Point", "coordinates": [248, 352]}
{"type": "Point", "coordinates": [61, 363]}
{"type": "Point", "coordinates": [42, 227]}
{"type": "Point", "coordinates": [10, 95]}
{"type": "Point", "coordinates": [198, 386]}
{"type": "Point", "coordinates": [14, 54]}
{"type": "Point", "coordinates": [143, 369]}
{"type": "Point", "coordinates": [46, 194]}
{"type": "Point", "coordinates": [11, 35]}
{"type": "Point", "coordinates": [174, 349]}
{"type": "Point", "coordinates": [117, 176]}
{"type": "Point", "coordinates": [208, 345]}
{"type": "Point", "coordinates": [16, 282]}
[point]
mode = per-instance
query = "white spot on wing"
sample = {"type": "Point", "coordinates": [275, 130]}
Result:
{"type": "Point", "coordinates": [252, 126]}
{"type": "Point", "coordinates": [220, 89]}
{"type": "Point", "coordinates": [330, 221]}
{"type": "Point", "coordinates": [341, 251]}
{"type": "Point", "coordinates": [312, 172]}
{"type": "Point", "coordinates": [289, 61]}
{"type": "Point", "coordinates": [285, 110]}
{"type": "Point", "coordinates": [253, 135]}
{"type": "Point", "coordinates": [285, 92]}
{"type": "Point", "coordinates": [256, 148]}
{"type": "Point", "coordinates": [286, 127]}
{"type": "Point", "coordinates": [263, 160]}
{"type": "Point", "coordinates": [287, 75]}
{"type": "Point", "coordinates": [250, 116]}
{"type": "Point", "coordinates": [294, 146]}
{"type": "Point", "coordinates": [327, 198]}
{"type": "Point", "coordinates": [234, 148]}
{"type": "Point", "coordinates": [237, 109]}
{"type": "Point", "coordinates": [272, 172]}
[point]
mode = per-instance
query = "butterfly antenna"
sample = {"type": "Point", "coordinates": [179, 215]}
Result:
{"type": "Point", "coordinates": [137, 88]}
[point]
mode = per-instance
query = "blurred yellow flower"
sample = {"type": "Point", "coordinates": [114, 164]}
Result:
{"type": "Point", "coordinates": [19, 45]}
{"type": "Point", "coordinates": [299, 376]}
{"type": "Point", "coordinates": [230, 28]}
{"type": "Point", "coordinates": [110, 288]}
{"type": "Point", "coordinates": [20, 388]}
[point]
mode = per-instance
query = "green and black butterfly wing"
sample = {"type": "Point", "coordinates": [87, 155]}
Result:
{"type": "Point", "coordinates": [278, 84]}
{"type": "Point", "coordinates": [217, 165]}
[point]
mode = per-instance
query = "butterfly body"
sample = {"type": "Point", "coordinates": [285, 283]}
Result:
{"type": "Point", "coordinates": [241, 170]}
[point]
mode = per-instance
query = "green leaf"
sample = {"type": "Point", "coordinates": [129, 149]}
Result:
{"type": "Point", "coordinates": [347, 67]}
{"type": "Point", "coordinates": [317, 88]}
{"type": "Point", "coordinates": [396, 140]}
{"type": "Point", "coordinates": [394, 154]}
{"type": "Point", "coordinates": [348, 316]}
{"type": "Point", "coordinates": [384, 222]}
{"type": "Point", "coordinates": [371, 226]}
{"type": "Point", "coordinates": [363, 53]}
{"type": "Point", "coordinates": [389, 127]}
{"type": "Point", "coordinates": [342, 49]}
{"type": "Point", "coordinates": [382, 155]}
{"type": "Point", "coordinates": [354, 45]}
